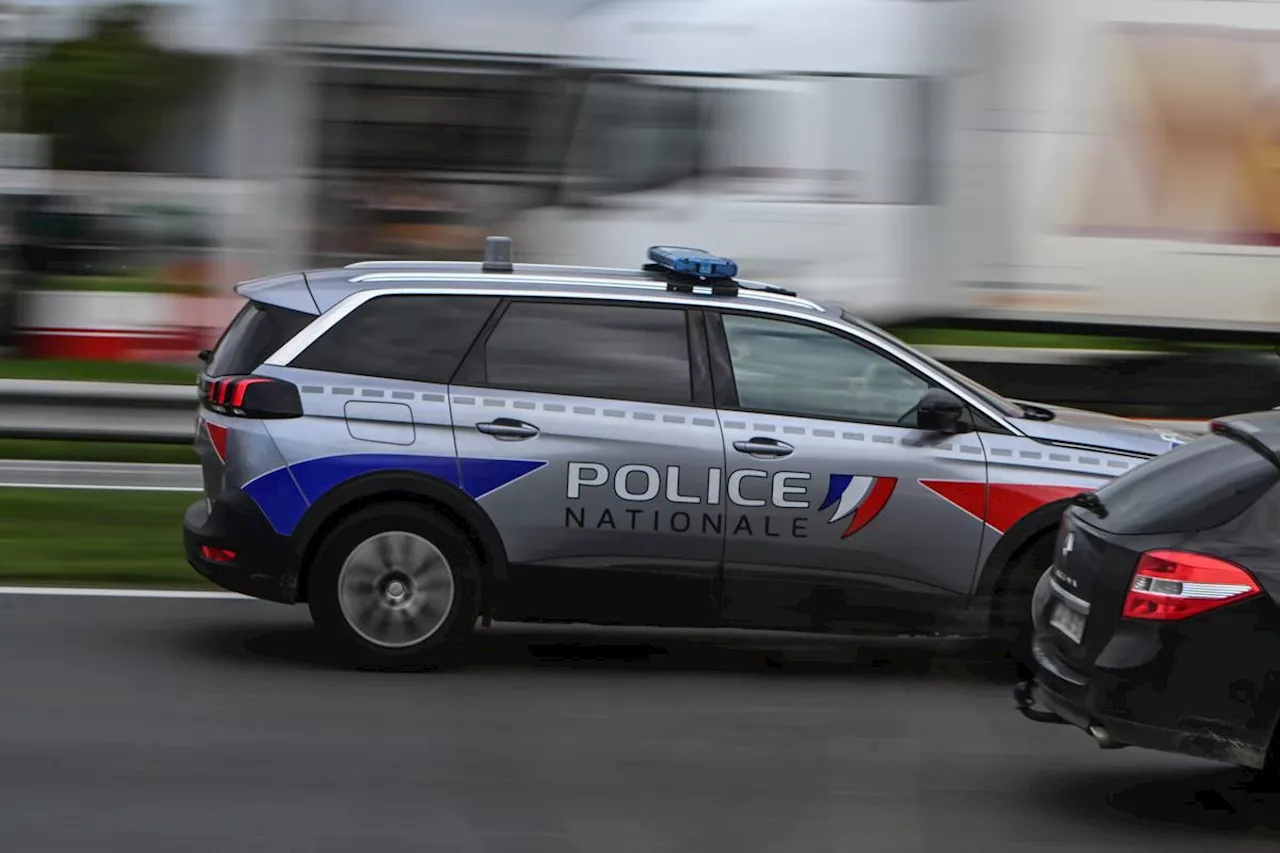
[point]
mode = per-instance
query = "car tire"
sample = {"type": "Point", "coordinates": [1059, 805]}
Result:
{"type": "Point", "coordinates": [394, 585]}
{"type": "Point", "coordinates": [1013, 600]}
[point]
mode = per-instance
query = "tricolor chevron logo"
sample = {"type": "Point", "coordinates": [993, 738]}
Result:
{"type": "Point", "coordinates": [857, 498]}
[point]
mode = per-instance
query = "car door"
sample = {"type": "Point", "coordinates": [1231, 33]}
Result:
{"type": "Point", "coordinates": [587, 431]}
{"type": "Point", "coordinates": [836, 507]}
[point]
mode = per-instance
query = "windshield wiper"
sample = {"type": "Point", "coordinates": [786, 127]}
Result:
{"type": "Point", "coordinates": [1036, 413]}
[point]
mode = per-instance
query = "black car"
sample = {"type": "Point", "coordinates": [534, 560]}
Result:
{"type": "Point", "coordinates": [1158, 625]}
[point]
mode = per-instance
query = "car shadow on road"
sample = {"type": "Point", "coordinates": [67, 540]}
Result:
{"type": "Point", "coordinates": [1216, 800]}
{"type": "Point", "coordinates": [523, 647]}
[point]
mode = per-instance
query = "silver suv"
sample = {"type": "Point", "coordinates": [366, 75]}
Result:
{"type": "Point", "coordinates": [411, 447]}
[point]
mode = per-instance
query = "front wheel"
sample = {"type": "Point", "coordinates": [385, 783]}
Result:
{"type": "Point", "coordinates": [394, 584]}
{"type": "Point", "coordinates": [1013, 600]}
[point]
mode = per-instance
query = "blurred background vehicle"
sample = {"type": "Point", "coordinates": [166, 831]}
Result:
{"type": "Point", "coordinates": [1044, 191]}
{"type": "Point", "coordinates": [1034, 167]}
{"type": "Point", "coordinates": [914, 160]}
{"type": "Point", "coordinates": [807, 140]}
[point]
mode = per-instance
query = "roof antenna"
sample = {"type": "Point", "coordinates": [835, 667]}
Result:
{"type": "Point", "coordinates": [497, 254]}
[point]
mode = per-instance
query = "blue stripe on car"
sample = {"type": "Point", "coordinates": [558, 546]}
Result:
{"type": "Point", "coordinates": [277, 495]}
{"type": "Point", "coordinates": [482, 476]}
{"type": "Point", "coordinates": [284, 503]}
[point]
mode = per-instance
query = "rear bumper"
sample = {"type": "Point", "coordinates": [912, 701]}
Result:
{"type": "Point", "coordinates": [1059, 695]}
{"type": "Point", "coordinates": [265, 565]}
{"type": "Point", "coordinates": [1040, 702]}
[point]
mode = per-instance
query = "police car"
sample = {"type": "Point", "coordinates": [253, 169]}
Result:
{"type": "Point", "coordinates": [412, 447]}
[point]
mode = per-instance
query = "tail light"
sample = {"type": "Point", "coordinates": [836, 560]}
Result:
{"type": "Point", "coordinates": [251, 397]}
{"type": "Point", "coordinates": [1169, 585]}
{"type": "Point", "coordinates": [217, 555]}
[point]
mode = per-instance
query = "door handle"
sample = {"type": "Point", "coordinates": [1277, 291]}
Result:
{"type": "Point", "coordinates": [770, 447]}
{"type": "Point", "coordinates": [508, 429]}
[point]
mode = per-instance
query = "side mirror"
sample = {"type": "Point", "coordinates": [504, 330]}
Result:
{"type": "Point", "coordinates": [940, 411]}
{"type": "Point", "coordinates": [204, 355]}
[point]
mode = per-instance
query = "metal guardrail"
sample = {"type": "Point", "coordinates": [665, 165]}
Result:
{"type": "Point", "coordinates": [97, 411]}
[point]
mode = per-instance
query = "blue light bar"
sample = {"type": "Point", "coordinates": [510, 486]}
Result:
{"type": "Point", "coordinates": [692, 262]}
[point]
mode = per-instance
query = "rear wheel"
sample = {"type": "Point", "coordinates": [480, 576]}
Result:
{"type": "Point", "coordinates": [394, 584]}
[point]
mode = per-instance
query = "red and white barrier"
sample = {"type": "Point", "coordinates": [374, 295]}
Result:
{"type": "Point", "coordinates": [111, 326]}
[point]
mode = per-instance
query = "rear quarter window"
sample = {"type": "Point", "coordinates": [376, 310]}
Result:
{"type": "Point", "coordinates": [418, 338]}
{"type": "Point", "coordinates": [256, 332]}
{"type": "Point", "coordinates": [1198, 486]}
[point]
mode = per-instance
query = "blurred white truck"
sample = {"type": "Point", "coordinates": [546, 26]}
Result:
{"type": "Point", "coordinates": [1069, 163]}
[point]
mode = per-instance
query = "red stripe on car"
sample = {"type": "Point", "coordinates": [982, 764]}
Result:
{"type": "Point", "coordinates": [1000, 505]}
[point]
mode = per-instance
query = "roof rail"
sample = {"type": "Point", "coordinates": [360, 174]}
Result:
{"type": "Point", "coordinates": [402, 264]}
{"type": "Point", "coordinates": [767, 288]}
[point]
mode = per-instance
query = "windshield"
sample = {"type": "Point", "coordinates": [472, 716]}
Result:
{"type": "Point", "coordinates": [634, 135]}
{"type": "Point", "coordinates": [991, 398]}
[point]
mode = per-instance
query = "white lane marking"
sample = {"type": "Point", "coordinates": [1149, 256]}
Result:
{"type": "Point", "coordinates": [120, 593]}
{"type": "Point", "coordinates": [100, 487]}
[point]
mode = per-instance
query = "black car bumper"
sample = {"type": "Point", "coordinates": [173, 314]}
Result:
{"type": "Point", "coordinates": [1059, 694]}
{"type": "Point", "coordinates": [264, 563]}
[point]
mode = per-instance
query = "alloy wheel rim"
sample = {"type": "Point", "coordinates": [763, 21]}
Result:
{"type": "Point", "coordinates": [395, 589]}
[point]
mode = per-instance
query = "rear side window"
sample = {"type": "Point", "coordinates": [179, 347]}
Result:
{"type": "Point", "coordinates": [416, 338]}
{"type": "Point", "coordinates": [619, 352]}
{"type": "Point", "coordinates": [1197, 486]}
{"type": "Point", "coordinates": [256, 332]}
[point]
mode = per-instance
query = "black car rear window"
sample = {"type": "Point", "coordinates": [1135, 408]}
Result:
{"type": "Point", "coordinates": [256, 332]}
{"type": "Point", "coordinates": [1197, 486]}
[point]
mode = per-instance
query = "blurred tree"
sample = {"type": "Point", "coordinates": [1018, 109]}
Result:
{"type": "Point", "coordinates": [103, 97]}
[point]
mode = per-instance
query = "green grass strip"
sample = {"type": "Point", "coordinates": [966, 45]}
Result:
{"type": "Point", "coordinates": [71, 537]}
{"type": "Point", "coordinates": [1052, 340]}
{"type": "Point", "coordinates": [97, 451]}
{"type": "Point", "coordinates": [975, 338]}
{"type": "Point", "coordinates": [115, 284]}
{"type": "Point", "coordinates": [97, 371]}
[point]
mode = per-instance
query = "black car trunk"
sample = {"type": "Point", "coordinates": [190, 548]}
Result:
{"type": "Point", "coordinates": [1091, 575]}
{"type": "Point", "coordinates": [1159, 505]}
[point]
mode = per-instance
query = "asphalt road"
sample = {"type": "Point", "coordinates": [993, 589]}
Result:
{"type": "Point", "coordinates": [162, 725]}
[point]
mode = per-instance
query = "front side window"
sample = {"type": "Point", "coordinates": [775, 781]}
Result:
{"type": "Point", "coordinates": [793, 369]}
{"type": "Point", "coordinates": [611, 351]}
{"type": "Point", "coordinates": [991, 398]}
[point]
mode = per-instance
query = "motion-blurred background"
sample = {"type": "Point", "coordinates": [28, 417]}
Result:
{"type": "Point", "coordinates": [1100, 177]}
{"type": "Point", "coordinates": [1073, 201]}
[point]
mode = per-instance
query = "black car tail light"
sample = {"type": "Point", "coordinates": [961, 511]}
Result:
{"type": "Point", "coordinates": [251, 397]}
{"type": "Point", "coordinates": [1170, 585]}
